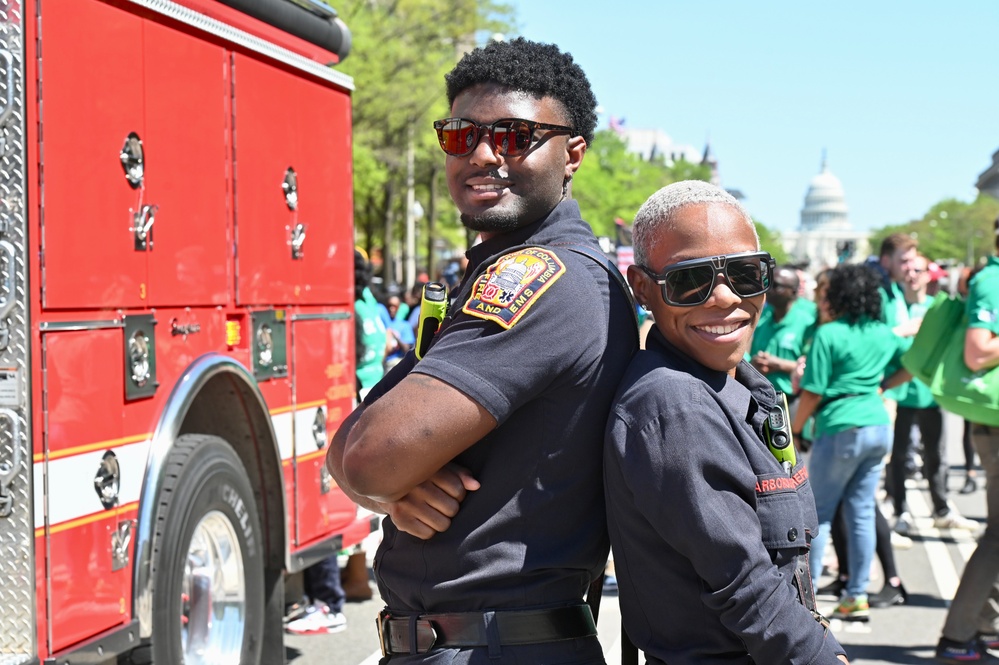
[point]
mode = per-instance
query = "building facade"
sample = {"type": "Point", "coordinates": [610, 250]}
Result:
{"type": "Point", "coordinates": [825, 236]}
{"type": "Point", "coordinates": [988, 181]}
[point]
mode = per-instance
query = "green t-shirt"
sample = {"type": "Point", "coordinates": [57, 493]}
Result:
{"type": "Point", "coordinates": [893, 307]}
{"type": "Point", "coordinates": [914, 394]}
{"type": "Point", "coordinates": [370, 366]}
{"type": "Point", "coordinates": [786, 338]}
{"type": "Point", "coordinates": [983, 297]}
{"type": "Point", "coordinates": [849, 359]}
{"type": "Point", "coordinates": [894, 311]}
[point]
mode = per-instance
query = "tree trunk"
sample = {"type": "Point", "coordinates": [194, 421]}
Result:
{"type": "Point", "coordinates": [388, 270]}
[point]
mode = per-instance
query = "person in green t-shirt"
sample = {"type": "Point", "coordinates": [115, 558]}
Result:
{"type": "Point", "coordinates": [786, 325]}
{"type": "Point", "coordinates": [370, 335]}
{"type": "Point", "coordinates": [971, 627]}
{"type": "Point", "coordinates": [916, 406]}
{"type": "Point", "coordinates": [898, 251]}
{"type": "Point", "coordinates": [896, 257]}
{"type": "Point", "coordinates": [841, 386]}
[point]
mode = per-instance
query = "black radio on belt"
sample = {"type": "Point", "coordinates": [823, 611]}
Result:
{"type": "Point", "coordinates": [777, 431]}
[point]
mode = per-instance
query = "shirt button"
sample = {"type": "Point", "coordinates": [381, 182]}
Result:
{"type": "Point", "coordinates": [792, 535]}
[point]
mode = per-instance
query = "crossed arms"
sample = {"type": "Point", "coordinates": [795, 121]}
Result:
{"type": "Point", "coordinates": [395, 456]}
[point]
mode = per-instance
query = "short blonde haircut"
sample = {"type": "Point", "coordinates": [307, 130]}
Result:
{"type": "Point", "coordinates": [656, 214]}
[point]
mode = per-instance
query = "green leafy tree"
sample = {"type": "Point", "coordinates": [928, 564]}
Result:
{"type": "Point", "coordinates": [952, 231]}
{"type": "Point", "coordinates": [613, 183]}
{"type": "Point", "coordinates": [770, 241]}
{"type": "Point", "coordinates": [400, 53]}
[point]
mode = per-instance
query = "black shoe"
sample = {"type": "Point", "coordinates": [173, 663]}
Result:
{"type": "Point", "coordinates": [834, 588]}
{"type": "Point", "coordinates": [890, 595]}
{"type": "Point", "coordinates": [956, 653]}
{"type": "Point", "coordinates": [989, 640]}
{"type": "Point", "coordinates": [970, 485]}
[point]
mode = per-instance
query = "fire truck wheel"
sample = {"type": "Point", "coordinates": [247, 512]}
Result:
{"type": "Point", "coordinates": [208, 567]}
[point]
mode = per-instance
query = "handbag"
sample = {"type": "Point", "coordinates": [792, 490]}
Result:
{"type": "Point", "coordinates": [937, 359]}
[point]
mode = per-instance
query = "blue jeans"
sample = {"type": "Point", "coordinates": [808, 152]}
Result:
{"type": "Point", "coordinates": [322, 583]}
{"type": "Point", "coordinates": [846, 467]}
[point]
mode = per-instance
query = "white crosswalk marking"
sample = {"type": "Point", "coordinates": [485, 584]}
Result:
{"type": "Point", "coordinates": [941, 564]}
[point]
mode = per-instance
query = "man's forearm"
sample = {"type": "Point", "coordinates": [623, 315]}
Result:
{"type": "Point", "coordinates": [334, 462]}
{"type": "Point", "coordinates": [981, 349]}
{"type": "Point", "coordinates": [421, 513]}
{"type": "Point", "coordinates": [807, 403]}
{"type": "Point", "coordinates": [902, 375]}
{"type": "Point", "coordinates": [784, 365]}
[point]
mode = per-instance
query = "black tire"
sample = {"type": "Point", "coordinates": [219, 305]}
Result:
{"type": "Point", "coordinates": [204, 611]}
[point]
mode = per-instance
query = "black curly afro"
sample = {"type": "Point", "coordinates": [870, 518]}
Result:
{"type": "Point", "coordinates": [538, 69]}
{"type": "Point", "coordinates": [853, 292]}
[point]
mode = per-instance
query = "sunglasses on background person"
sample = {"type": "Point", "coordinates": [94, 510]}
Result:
{"type": "Point", "coordinates": [690, 283]}
{"type": "Point", "coordinates": [509, 137]}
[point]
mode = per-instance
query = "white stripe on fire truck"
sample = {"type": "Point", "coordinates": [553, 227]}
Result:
{"type": "Point", "coordinates": [71, 481]}
{"type": "Point", "coordinates": [100, 445]}
{"type": "Point", "coordinates": [72, 496]}
{"type": "Point", "coordinates": [303, 417]}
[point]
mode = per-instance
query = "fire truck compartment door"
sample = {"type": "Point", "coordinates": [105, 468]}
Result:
{"type": "Point", "coordinates": [88, 111]}
{"type": "Point", "coordinates": [322, 367]}
{"type": "Point", "coordinates": [186, 119]}
{"type": "Point", "coordinates": [286, 122]}
{"type": "Point", "coordinates": [170, 89]}
{"type": "Point", "coordinates": [83, 377]}
{"type": "Point", "coordinates": [325, 197]}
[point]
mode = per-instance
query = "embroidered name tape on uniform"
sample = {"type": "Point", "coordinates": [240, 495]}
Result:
{"type": "Point", "coordinates": [775, 483]}
{"type": "Point", "coordinates": [510, 286]}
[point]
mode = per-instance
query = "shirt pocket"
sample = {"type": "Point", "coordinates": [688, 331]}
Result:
{"type": "Point", "coordinates": [782, 521]}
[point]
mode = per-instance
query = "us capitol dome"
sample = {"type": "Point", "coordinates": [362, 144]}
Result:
{"type": "Point", "coordinates": [825, 236]}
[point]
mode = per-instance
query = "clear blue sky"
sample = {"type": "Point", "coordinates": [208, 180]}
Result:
{"type": "Point", "coordinates": [903, 96]}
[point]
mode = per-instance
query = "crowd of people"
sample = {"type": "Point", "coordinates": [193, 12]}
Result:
{"type": "Point", "coordinates": [872, 312]}
{"type": "Point", "coordinates": [717, 457]}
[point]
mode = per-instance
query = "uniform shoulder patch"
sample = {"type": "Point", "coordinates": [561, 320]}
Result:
{"type": "Point", "coordinates": [508, 288]}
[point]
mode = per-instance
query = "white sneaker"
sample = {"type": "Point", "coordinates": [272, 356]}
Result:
{"type": "Point", "coordinates": [954, 520]}
{"type": "Point", "coordinates": [318, 620]}
{"type": "Point", "coordinates": [900, 542]}
{"type": "Point", "coordinates": [903, 525]}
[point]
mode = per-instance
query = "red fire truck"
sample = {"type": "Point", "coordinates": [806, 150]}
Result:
{"type": "Point", "coordinates": [176, 332]}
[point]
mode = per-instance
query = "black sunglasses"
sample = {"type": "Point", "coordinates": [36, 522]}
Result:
{"type": "Point", "coordinates": [509, 136]}
{"type": "Point", "coordinates": [690, 283]}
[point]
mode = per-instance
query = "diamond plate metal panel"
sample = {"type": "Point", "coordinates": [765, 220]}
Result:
{"type": "Point", "coordinates": [17, 576]}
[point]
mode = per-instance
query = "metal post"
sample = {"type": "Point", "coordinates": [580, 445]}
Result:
{"type": "Point", "coordinates": [409, 256]}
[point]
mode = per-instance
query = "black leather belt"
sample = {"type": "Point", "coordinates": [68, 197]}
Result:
{"type": "Point", "coordinates": [421, 633]}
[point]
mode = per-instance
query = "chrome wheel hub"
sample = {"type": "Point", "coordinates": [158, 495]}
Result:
{"type": "Point", "coordinates": [213, 602]}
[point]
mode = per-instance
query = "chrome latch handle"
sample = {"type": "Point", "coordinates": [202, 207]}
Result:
{"type": "Point", "coordinates": [9, 468]}
{"type": "Point", "coordinates": [9, 279]}
{"type": "Point", "coordinates": [121, 538]}
{"type": "Point", "coordinates": [142, 226]}
{"type": "Point", "coordinates": [297, 240]}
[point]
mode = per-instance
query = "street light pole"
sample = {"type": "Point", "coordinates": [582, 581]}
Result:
{"type": "Point", "coordinates": [410, 254]}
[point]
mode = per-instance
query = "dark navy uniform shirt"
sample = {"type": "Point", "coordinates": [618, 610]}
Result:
{"type": "Point", "coordinates": [708, 530]}
{"type": "Point", "coordinates": [540, 338]}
